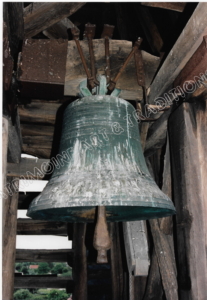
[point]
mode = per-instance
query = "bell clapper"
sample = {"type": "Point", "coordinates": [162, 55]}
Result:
{"type": "Point", "coordinates": [101, 239]}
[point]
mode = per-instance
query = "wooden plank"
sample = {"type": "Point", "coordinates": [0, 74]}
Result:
{"type": "Point", "coordinates": [136, 247]}
{"type": "Point", "coordinates": [36, 227]}
{"type": "Point", "coordinates": [186, 45]}
{"type": "Point", "coordinates": [79, 262]}
{"type": "Point", "coordinates": [119, 50]}
{"type": "Point", "coordinates": [41, 153]}
{"type": "Point", "coordinates": [24, 255]}
{"type": "Point", "coordinates": [29, 168]}
{"type": "Point", "coordinates": [47, 14]}
{"type": "Point", "coordinates": [187, 132]}
{"type": "Point", "coordinates": [39, 112]}
{"type": "Point", "coordinates": [43, 142]}
{"type": "Point", "coordinates": [34, 130]}
{"type": "Point", "coordinates": [177, 6]}
{"type": "Point", "coordinates": [39, 282]}
{"type": "Point", "coordinates": [9, 240]}
{"type": "Point", "coordinates": [59, 30]}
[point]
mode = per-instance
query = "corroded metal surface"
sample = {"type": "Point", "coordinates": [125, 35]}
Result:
{"type": "Point", "coordinates": [103, 166]}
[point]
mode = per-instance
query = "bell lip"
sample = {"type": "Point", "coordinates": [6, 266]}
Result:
{"type": "Point", "coordinates": [87, 216]}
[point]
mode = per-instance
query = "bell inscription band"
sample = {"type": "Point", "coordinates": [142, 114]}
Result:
{"type": "Point", "coordinates": [104, 166]}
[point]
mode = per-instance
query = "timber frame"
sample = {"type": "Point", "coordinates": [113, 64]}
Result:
{"type": "Point", "coordinates": [157, 259]}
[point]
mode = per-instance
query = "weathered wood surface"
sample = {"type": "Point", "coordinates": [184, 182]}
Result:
{"type": "Point", "coordinates": [13, 16]}
{"type": "Point", "coordinates": [150, 29]}
{"type": "Point", "coordinates": [196, 66]}
{"type": "Point", "coordinates": [47, 14]}
{"type": "Point", "coordinates": [15, 141]}
{"type": "Point", "coordinates": [154, 290]}
{"type": "Point", "coordinates": [29, 168]}
{"type": "Point", "coordinates": [5, 129]}
{"type": "Point", "coordinates": [119, 51]}
{"type": "Point", "coordinates": [157, 133]}
{"type": "Point", "coordinates": [117, 272]}
{"type": "Point", "coordinates": [136, 247]}
{"type": "Point", "coordinates": [186, 45]}
{"type": "Point", "coordinates": [35, 129]}
{"type": "Point", "coordinates": [38, 152]}
{"type": "Point", "coordinates": [36, 227]}
{"type": "Point", "coordinates": [165, 260]}
{"type": "Point", "coordinates": [32, 282]}
{"type": "Point", "coordinates": [166, 224]}
{"type": "Point", "coordinates": [187, 132]}
{"type": "Point", "coordinates": [39, 112]}
{"type": "Point", "coordinates": [24, 255]}
{"type": "Point", "coordinates": [177, 6]}
{"type": "Point", "coordinates": [9, 241]}
{"type": "Point", "coordinates": [79, 262]}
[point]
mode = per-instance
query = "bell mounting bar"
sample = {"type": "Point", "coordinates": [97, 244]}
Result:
{"type": "Point", "coordinates": [107, 34]}
{"type": "Point", "coordinates": [113, 82]}
{"type": "Point", "coordinates": [75, 34]}
{"type": "Point", "coordinates": [89, 33]}
{"type": "Point", "coordinates": [140, 72]}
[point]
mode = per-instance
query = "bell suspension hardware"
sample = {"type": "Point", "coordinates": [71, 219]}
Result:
{"type": "Point", "coordinates": [75, 34]}
{"type": "Point", "coordinates": [107, 34]}
{"type": "Point", "coordinates": [113, 82]}
{"type": "Point", "coordinates": [90, 33]}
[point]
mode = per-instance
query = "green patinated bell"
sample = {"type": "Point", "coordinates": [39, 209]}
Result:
{"type": "Point", "coordinates": [100, 164]}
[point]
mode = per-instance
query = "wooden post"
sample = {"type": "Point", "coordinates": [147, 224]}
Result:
{"type": "Point", "coordinates": [187, 132]}
{"type": "Point", "coordinates": [9, 237]}
{"type": "Point", "coordinates": [80, 262]}
{"type": "Point", "coordinates": [117, 272]}
{"type": "Point", "coordinates": [5, 129]}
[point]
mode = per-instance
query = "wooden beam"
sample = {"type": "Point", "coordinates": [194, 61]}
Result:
{"type": "Point", "coordinates": [47, 14]}
{"type": "Point", "coordinates": [186, 45]}
{"type": "Point", "coordinates": [23, 255]}
{"type": "Point", "coordinates": [119, 50]}
{"type": "Point", "coordinates": [60, 29]}
{"type": "Point", "coordinates": [188, 146]}
{"type": "Point", "coordinates": [9, 240]}
{"type": "Point", "coordinates": [79, 262]}
{"type": "Point", "coordinates": [136, 247]}
{"type": "Point", "coordinates": [5, 129]}
{"type": "Point", "coordinates": [29, 168]}
{"type": "Point", "coordinates": [177, 6]}
{"type": "Point", "coordinates": [195, 66]}
{"type": "Point", "coordinates": [39, 282]}
{"type": "Point", "coordinates": [157, 133]}
{"type": "Point", "coordinates": [35, 227]}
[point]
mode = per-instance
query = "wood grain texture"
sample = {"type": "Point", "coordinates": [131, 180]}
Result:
{"type": "Point", "coordinates": [9, 240]}
{"type": "Point", "coordinates": [29, 168]}
{"type": "Point", "coordinates": [34, 282]}
{"type": "Point", "coordinates": [119, 50]}
{"type": "Point", "coordinates": [177, 6]}
{"type": "Point", "coordinates": [186, 45]}
{"type": "Point", "coordinates": [79, 262]}
{"type": "Point", "coordinates": [24, 255]}
{"type": "Point", "coordinates": [187, 132]}
{"type": "Point", "coordinates": [47, 14]}
{"type": "Point", "coordinates": [35, 227]}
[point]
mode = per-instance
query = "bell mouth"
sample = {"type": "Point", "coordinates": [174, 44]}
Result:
{"type": "Point", "coordinates": [87, 214]}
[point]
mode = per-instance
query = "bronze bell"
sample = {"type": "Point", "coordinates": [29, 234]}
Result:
{"type": "Point", "coordinates": [102, 165]}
